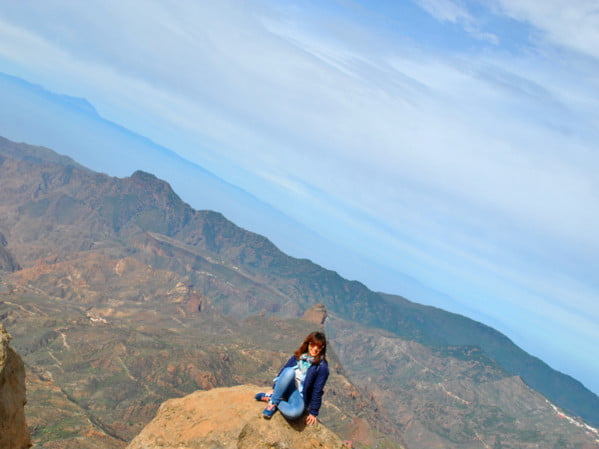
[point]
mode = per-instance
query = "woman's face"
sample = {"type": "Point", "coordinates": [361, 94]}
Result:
{"type": "Point", "coordinates": [314, 348]}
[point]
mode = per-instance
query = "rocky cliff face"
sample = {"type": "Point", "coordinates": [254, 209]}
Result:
{"type": "Point", "coordinates": [228, 418]}
{"type": "Point", "coordinates": [13, 428]}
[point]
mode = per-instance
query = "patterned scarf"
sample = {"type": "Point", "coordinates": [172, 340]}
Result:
{"type": "Point", "coordinates": [304, 363]}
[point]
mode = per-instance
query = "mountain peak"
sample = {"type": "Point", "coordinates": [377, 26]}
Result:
{"type": "Point", "coordinates": [316, 314]}
{"type": "Point", "coordinates": [231, 417]}
{"type": "Point", "coordinates": [145, 178]}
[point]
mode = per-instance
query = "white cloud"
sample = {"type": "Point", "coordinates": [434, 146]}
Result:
{"type": "Point", "coordinates": [570, 23]}
{"type": "Point", "coordinates": [446, 10]}
{"type": "Point", "coordinates": [457, 13]}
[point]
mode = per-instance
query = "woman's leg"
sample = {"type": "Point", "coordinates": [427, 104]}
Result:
{"type": "Point", "coordinates": [293, 407]}
{"type": "Point", "coordinates": [284, 386]}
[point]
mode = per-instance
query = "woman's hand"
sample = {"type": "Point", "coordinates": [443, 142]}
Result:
{"type": "Point", "coordinates": [311, 420]}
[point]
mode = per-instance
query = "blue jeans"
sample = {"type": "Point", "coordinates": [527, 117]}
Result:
{"type": "Point", "coordinates": [286, 396]}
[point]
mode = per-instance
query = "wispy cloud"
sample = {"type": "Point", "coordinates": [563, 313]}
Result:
{"type": "Point", "coordinates": [573, 24]}
{"type": "Point", "coordinates": [457, 13]}
{"type": "Point", "coordinates": [446, 10]}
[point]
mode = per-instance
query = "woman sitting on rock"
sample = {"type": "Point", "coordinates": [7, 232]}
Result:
{"type": "Point", "coordinates": [300, 383]}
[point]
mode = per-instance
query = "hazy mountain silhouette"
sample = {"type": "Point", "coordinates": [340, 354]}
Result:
{"type": "Point", "coordinates": [72, 126]}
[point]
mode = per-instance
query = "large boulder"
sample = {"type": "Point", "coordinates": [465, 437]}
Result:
{"type": "Point", "coordinates": [228, 418]}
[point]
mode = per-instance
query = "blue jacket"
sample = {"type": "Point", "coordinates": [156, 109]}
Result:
{"type": "Point", "coordinates": [316, 378]}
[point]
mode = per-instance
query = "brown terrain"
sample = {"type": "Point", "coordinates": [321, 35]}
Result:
{"type": "Point", "coordinates": [452, 398]}
{"type": "Point", "coordinates": [120, 296]}
{"type": "Point", "coordinates": [96, 376]}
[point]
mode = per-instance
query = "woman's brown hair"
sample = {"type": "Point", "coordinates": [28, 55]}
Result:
{"type": "Point", "coordinates": [315, 337]}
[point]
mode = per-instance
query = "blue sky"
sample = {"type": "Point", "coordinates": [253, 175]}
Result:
{"type": "Point", "coordinates": [443, 150]}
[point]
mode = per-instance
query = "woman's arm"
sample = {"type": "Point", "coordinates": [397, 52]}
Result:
{"type": "Point", "coordinates": [318, 389]}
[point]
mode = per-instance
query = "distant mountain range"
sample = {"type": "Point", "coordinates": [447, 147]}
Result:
{"type": "Point", "coordinates": [30, 113]}
{"type": "Point", "coordinates": [129, 251]}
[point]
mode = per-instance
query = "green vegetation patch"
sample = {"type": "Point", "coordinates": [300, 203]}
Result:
{"type": "Point", "coordinates": [67, 428]}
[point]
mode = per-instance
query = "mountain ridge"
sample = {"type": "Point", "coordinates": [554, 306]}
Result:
{"type": "Point", "coordinates": [67, 130]}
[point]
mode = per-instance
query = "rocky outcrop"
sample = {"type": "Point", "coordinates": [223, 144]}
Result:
{"type": "Point", "coordinates": [13, 428]}
{"type": "Point", "coordinates": [316, 314]}
{"type": "Point", "coordinates": [228, 418]}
